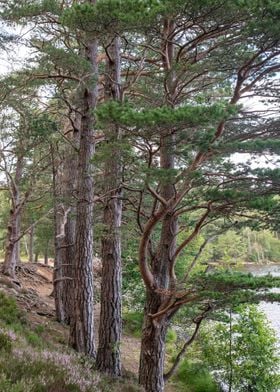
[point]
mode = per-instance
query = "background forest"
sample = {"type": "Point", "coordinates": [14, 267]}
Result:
{"type": "Point", "coordinates": [139, 173]}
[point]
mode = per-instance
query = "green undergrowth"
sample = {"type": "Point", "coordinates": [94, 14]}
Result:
{"type": "Point", "coordinates": [190, 376]}
{"type": "Point", "coordinates": [15, 321]}
{"type": "Point", "coordinates": [193, 377]}
{"type": "Point", "coordinates": [32, 360]}
{"type": "Point", "coordinates": [132, 323]}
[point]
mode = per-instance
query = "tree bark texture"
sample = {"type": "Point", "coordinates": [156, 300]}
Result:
{"type": "Point", "coordinates": [12, 247]}
{"type": "Point", "coordinates": [151, 371]}
{"type": "Point", "coordinates": [152, 353]}
{"type": "Point", "coordinates": [82, 332]}
{"type": "Point", "coordinates": [65, 221]}
{"type": "Point", "coordinates": [108, 354]}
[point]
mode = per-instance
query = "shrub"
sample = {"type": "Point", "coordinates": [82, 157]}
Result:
{"type": "Point", "coordinates": [196, 377]}
{"type": "Point", "coordinates": [5, 342]}
{"type": "Point", "coordinates": [39, 329]}
{"type": "Point", "coordinates": [133, 323]}
{"type": "Point", "coordinates": [33, 339]}
{"type": "Point", "coordinates": [244, 352]}
{"type": "Point", "coordinates": [171, 336]}
{"type": "Point", "coordinates": [9, 312]}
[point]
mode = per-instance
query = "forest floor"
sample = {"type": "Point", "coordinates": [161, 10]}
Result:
{"type": "Point", "coordinates": [32, 290]}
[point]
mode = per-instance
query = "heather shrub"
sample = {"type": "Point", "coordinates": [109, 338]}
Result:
{"type": "Point", "coordinates": [5, 342]}
{"type": "Point", "coordinates": [9, 311]}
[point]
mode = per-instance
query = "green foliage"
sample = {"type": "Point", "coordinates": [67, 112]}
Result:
{"type": "Point", "coordinates": [189, 253]}
{"type": "Point", "coordinates": [196, 377]}
{"type": "Point", "coordinates": [171, 336]}
{"type": "Point", "coordinates": [244, 353]}
{"type": "Point", "coordinates": [39, 329]}
{"type": "Point", "coordinates": [5, 342]}
{"type": "Point", "coordinates": [29, 363]}
{"type": "Point", "coordinates": [68, 61]}
{"type": "Point", "coordinates": [227, 287]}
{"type": "Point", "coordinates": [124, 114]}
{"type": "Point", "coordinates": [112, 15]}
{"type": "Point", "coordinates": [267, 146]}
{"type": "Point", "coordinates": [133, 322]}
{"type": "Point", "coordinates": [133, 290]}
{"type": "Point", "coordinates": [228, 248]}
{"type": "Point", "coordinates": [42, 125]}
{"type": "Point", "coordinates": [20, 11]}
{"type": "Point", "coordinates": [236, 247]}
{"type": "Point", "coordinates": [9, 312]}
{"type": "Point", "coordinates": [33, 339]}
{"type": "Point", "coordinates": [232, 280]}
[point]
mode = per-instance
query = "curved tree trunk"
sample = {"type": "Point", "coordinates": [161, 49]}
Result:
{"type": "Point", "coordinates": [151, 371]}
{"type": "Point", "coordinates": [108, 354]}
{"type": "Point", "coordinates": [152, 356]}
{"type": "Point", "coordinates": [82, 332]}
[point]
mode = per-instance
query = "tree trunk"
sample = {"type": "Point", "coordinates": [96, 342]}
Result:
{"type": "Point", "coordinates": [36, 257]}
{"type": "Point", "coordinates": [46, 254]}
{"type": "Point", "coordinates": [12, 248]}
{"type": "Point", "coordinates": [68, 265]}
{"type": "Point", "coordinates": [152, 347]}
{"type": "Point", "coordinates": [82, 331]}
{"type": "Point", "coordinates": [26, 246]}
{"type": "Point", "coordinates": [65, 183]}
{"type": "Point", "coordinates": [31, 243]}
{"type": "Point", "coordinates": [151, 371]}
{"type": "Point", "coordinates": [11, 259]}
{"type": "Point", "coordinates": [60, 216]}
{"type": "Point", "coordinates": [108, 355]}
